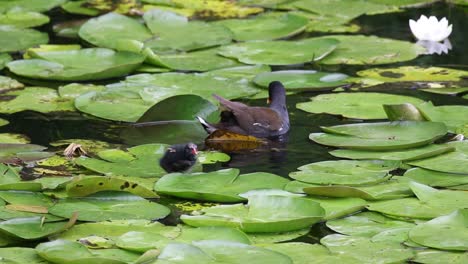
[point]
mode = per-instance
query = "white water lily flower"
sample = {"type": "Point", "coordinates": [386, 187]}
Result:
{"type": "Point", "coordinates": [430, 28]}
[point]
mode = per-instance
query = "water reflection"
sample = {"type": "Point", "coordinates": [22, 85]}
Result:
{"type": "Point", "coordinates": [433, 47]}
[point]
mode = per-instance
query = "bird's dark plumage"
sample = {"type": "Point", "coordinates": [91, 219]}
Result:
{"type": "Point", "coordinates": [179, 158]}
{"type": "Point", "coordinates": [255, 121]}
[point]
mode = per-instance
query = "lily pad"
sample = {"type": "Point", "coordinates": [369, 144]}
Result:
{"type": "Point", "coordinates": [366, 224]}
{"type": "Point", "coordinates": [4, 59]}
{"type": "Point", "coordinates": [414, 73]}
{"type": "Point", "coordinates": [451, 162]}
{"type": "Point", "coordinates": [272, 52]}
{"type": "Point", "coordinates": [436, 178]}
{"type": "Point", "coordinates": [217, 186]}
{"type": "Point", "coordinates": [431, 256]}
{"type": "Point", "coordinates": [12, 153]}
{"type": "Point", "coordinates": [299, 80]}
{"type": "Point", "coordinates": [339, 207]}
{"type": "Point", "coordinates": [446, 90]}
{"type": "Point", "coordinates": [11, 180]}
{"type": "Point", "coordinates": [454, 116]}
{"type": "Point", "coordinates": [405, 209]}
{"type": "Point", "coordinates": [359, 50]}
{"type": "Point", "coordinates": [16, 255]}
{"type": "Point", "coordinates": [77, 65]}
{"type": "Point", "coordinates": [446, 232]}
{"type": "Point", "coordinates": [381, 136]}
{"type": "Point", "coordinates": [7, 83]}
{"type": "Point", "coordinates": [344, 172]}
{"type": "Point", "coordinates": [33, 227]}
{"type": "Point", "coordinates": [367, 251]}
{"type": "Point", "coordinates": [3, 122]}
{"type": "Point", "coordinates": [67, 252]}
{"type": "Point", "coordinates": [26, 5]}
{"type": "Point", "coordinates": [116, 207]}
{"type": "Point", "coordinates": [13, 138]}
{"type": "Point", "coordinates": [263, 213]}
{"type": "Point", "coordinates": [23, 19]}
{"type": "Point", "coordinates": [267, 26]}
{"type": "Point", "coordinates": [403, 155]}
{"type": "Point", "coordinates": [355, 105]}
{"type": "Point", "coordinates": [16, 39]}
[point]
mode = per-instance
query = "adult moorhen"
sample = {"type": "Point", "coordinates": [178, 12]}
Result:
{"type": "Point", "coordinates": [255, 121]}
{"type": "Point", "coordinates": [179, 158]}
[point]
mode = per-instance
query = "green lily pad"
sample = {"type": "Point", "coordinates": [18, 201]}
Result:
{"type": "Point", "coordinates": [339, 207]}
{"type": "Point", "coordinates": [17, 255]}
{"type": "Point", "coordinates": [217, 186]}
{"type": "Point", "coordinates": [76, 7]}
{"type": "Point", "coordinates": [29, 198]}
{"type": "Point", "coordinates": [11, 179]}
{"type": "Point", "coordinates": [446, 232]}
{"type": "Point", "coordinates": [394, 188]}
{"type": "Point", "coordinates": [7, 83]}
{"type": "Point", "coordinates": [327, 23]}
{"type": "Point", "coordinates": [12, 211]}
{"type": "Point", "coordinates": [446, 90]}
{"type": "Point", "coordinates": [355, 105]}
{"type": "Point", "coordinates": [267, 26]}
{"type": "Point", "coordinates": [451, 162]}
{"type": "Point", "coordinates": [272, 52]}
{"type": "Point", "coordinates": [26, 5]}
{"type": "Point", "coordinates": [4, 59]}
{"type": "Point", "coordinates": [366, 224]}
{"type": "Point", "coordinates": [77, 65]}
{"type": "Point", "coordinates": [22, 19]}
{"type": "Point", "coordinates": [84, 185]}
{"type": "Point", "coordinates": [359, 50]}
{"type": "Point", "coordinates": [436, 178]}
{"type": "Point", "coordinates": [67, 252]}
{"type": "Point", "coordinates": [33, 227]}
{"type": "Point", "coordinates": [454, 116]}
{"type": "Point", "coordinates": [14, 138]}
{"type": "Point", "coordinates": [262, 238]}
{"type": "Point", "coordinates": [139, 161]}
{"type": "Point", "coordinates": [367, 251]}
{"type": "Point", "coordinates": [215, 251]}
{"type": "Point", "coordinates": [204, 60]}
{"type": "Point", "coordinates": [414, 73]}
{"type": "Point", "coordinates": [403, 155]}
{"type": "Point", "coordinates": [263, 213]}
{"type": "Point", "coordinates": [344, 172]}
{"type": "Point", "coordinates": [16, 39]}
{"type": "Point", "coordinates": [445, 199]}
{"type": "Point", "coordinates": [431, 256]}
{"type": "Point", "coordinates": [167, 33]}
{"type": "Point", "coordinates": [12, 153]}
{"type": "Point", "coordinates": [299, 80]}
{"type": "Point", "coordinates": [3, 122]}
{"type": "Point", "coordinates": [115, 207]}
{"type": "Point", "coordinates": [381, 136]}
{"type": "Point", "coordinates": [405, 209]}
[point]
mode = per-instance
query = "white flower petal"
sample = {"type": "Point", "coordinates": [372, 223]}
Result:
{"type": "Point", "coordinates": [430, 28]}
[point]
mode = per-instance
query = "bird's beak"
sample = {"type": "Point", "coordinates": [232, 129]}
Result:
{"type": "Point", "coordinates": [268, 100]}
{"type": "Point", "coordinates": [194, 151]}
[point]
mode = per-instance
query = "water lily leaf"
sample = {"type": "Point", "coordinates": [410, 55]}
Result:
{"type": "Point", "coordinates": [11, 180]}
{"type": "Point", "coordinates": [217, 186]}
{"type": "Point", "coordinates": [431, 256]}
{"type": "Point", "coordinates": [39, 99]}
{"type": "Point", "coordinates": [394, 188]}
{"type": "Point", "coordinates": [4, 59]}
{"type": "Point", "coordinates": [446, 232]}
{"type": "Point", "coordinates": [33, 227]}
{"type": "Point", "coordinates": [436, 178]}
{"type": "Point", "coordinates": [344, 172]}
{"type": "Point", "coordinates": [381, 136]}
{"type": "Point", "coordinates": [3, 122]}
{"type": "Point", "coordinates": [144, 163]}
{"type": "Point", "coordinates": [13, 138]}
{"type": "Point", "coordinates": [355, 105]}
{"type": "Point", "coordinates": [454, 116]}
{"type": "Point", "coordinates": [211, 157]}
{"type": "Point", "coordinates": [339, 207]}
{"type": "Point", "coordinates": [84, 185]}
{"type": "Point", "coordinates": [115, 208]}
{"type": "Point", "coordinates": [405, 209]}
{"type": "Point", "coordinates": [272, 52]}
{"type": "Point", "coordinates": [446, 90]}
{"type": "Point", "coordinates": [414, 73]}
{"type": "Point", "coordinates": [17, 255]}
{"type": "Point", "coordinates": [365, 250]}
{"type": "Point", "coordinates": [16, 39]}
{"type": "Point", "coordinates": [366, 224]}
{"type": "Point", "coordinates": [263, 213]}
{"type": "Point", "coordinates": [7, 83]}
{"type": "Point", "coordinates": [358, 49]}
{"type": "Point", "coordinates": [22, 19]}
{"type": "Point", "coordinates": [77, 65]}
{"type": "Point", "coordinates": [25, 5]}
{"type": "Point", "coordinates": [403, 155]}
{"type": "Point", "coordinates": [267, 26]}
{"type": "Point", "coordinates": [262, 238]}
{"type": "Point", "coordinates": [327, 23]}
{"type": "Point", "coordinates": [10, 212]}
{"type": "Point", "coordinates": [299, 80]}
{"type": "Point", "coordinates": [67, 252]}
{"type": "Point", "coordinates": [14, 153]}
{"type": "Point", "coordinates": [76, 7]}
{"type": "Point", "coordinates": [451, 162]}
{"type": "Point", "coordinates": [121, 7]}
{"type": "Point", "coordinates": [446, 200]}
{"type": "Point", "coordinates": [26, 198]}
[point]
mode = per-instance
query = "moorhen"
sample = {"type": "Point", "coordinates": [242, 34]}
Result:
{"type": "Point", "coordinates": [179, 158]}
{"type": "Point", "coordinates": [263, 122]}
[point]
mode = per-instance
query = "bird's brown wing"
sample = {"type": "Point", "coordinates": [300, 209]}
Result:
{"type": "Point", "coordinates": [229, 105]}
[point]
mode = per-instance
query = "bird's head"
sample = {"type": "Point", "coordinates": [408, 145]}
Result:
{"type": "Point", "coordinates": [191, 150]}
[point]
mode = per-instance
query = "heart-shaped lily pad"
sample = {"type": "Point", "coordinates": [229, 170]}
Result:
{"type": "Point", "coordinates": [355, 105]}
{"type": "Point", "coordinates": [300, 80]}
{"type": "Point", "coordinates": [272, 52]}
{"type": "Point", "coordinates": [263, 213]}
{"type": "Point", "coordinates": [380, 136]}
{"type": "Point", "coordinates": [344, 172]}
{"type": "Point", "coordinates": [217, 186]}
{"type": "Point", "coordinates": [15, 39]}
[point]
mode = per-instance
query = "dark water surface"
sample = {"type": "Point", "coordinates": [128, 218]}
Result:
{"type": "Point", "coordinates": [299, 150]}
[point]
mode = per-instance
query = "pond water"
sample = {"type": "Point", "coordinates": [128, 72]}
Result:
{"type": "Point", "coordinates": [286, 157]}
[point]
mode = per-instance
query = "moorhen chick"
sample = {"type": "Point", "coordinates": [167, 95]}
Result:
{"type": "Point", "coordinates": [262, 122]}
{"type": "Point", "coordinates": [179, 158]}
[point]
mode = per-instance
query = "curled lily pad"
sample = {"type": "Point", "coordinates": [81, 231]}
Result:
{"type": "Point", "coordinates": [272, 52]}
{"type": "Point", "coordinates": [263, 213]}
{"type": "Point", "coordinates": [380, 136]}
{"type": "Point", "coordinates": [15, 39]}
{"type": "Point", "coordinates": [77, 65]}
{"type": "Point", "coordinates": [358, 49]}
{"type": "Point", "coordinates": [355, 105]}
{"type": "Point", "coordinates": [451, 162]}
{"type": "Point", "coordinates": [266, 26]}
{"type": "Point", "coordinates": [414, 73]}
{"type": "Point", "coordinates": [436, 178]}
{"type": "Point", "coordinates": [344, 172]}
{"type": "Point", "coordinates": [217, 186]}
{"type": "Point", "coordinates": [446, 232]}
{"type": "Point", "coordinates": [299, 80]}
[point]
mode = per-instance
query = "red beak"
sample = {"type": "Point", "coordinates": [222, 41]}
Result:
{"type": "Point", "coordinates": [194, 151]}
